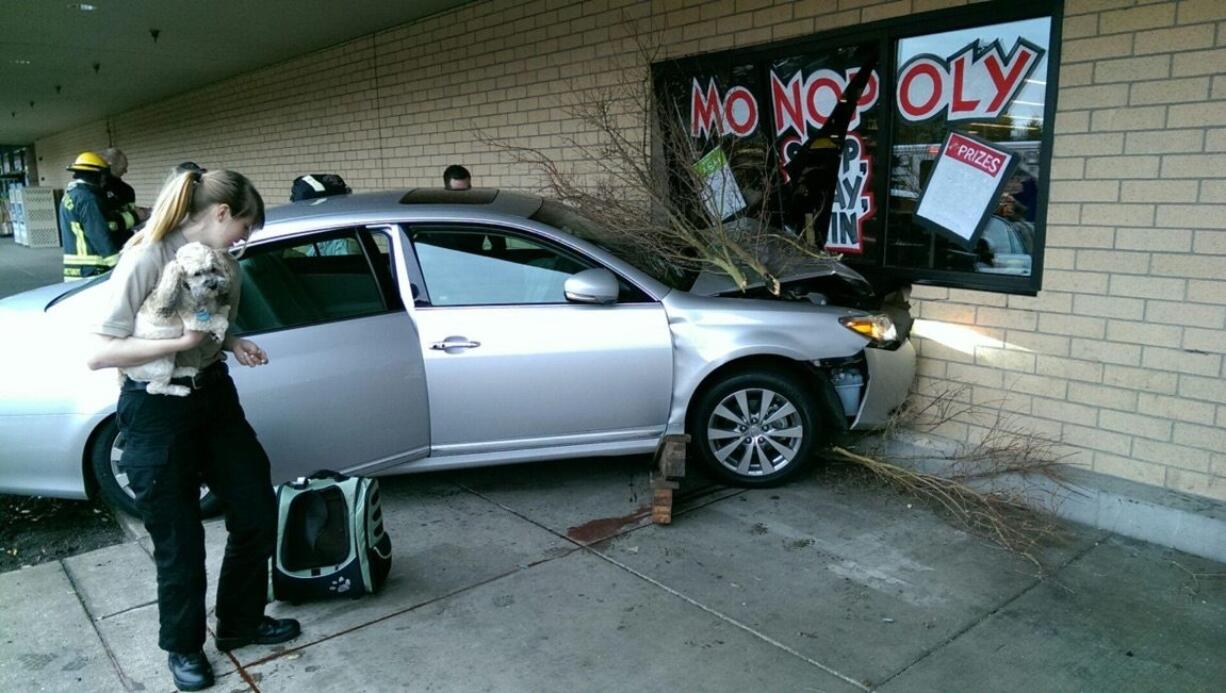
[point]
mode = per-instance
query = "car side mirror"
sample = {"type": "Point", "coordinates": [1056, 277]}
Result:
{"type": "Point", "coordinates": [596, 285]}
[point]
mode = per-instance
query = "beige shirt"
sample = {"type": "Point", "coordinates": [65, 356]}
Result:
{"type": "Point", "coordinates": [134, 278]}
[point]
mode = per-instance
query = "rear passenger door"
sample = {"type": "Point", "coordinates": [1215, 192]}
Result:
{"type": "Point", "coordinates": [345, 385]}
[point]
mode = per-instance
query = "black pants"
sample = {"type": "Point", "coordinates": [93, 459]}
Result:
{"type": "Point", "coordinates": [172, 445]}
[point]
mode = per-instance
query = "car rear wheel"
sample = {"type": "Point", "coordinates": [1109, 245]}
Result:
{"type": "Point", "coordinates": [756, 428]}
{"type": "Point", "coordinates": [106, 457]}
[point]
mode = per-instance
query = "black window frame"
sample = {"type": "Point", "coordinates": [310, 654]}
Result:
{"type": "Point", "coordinates": [887, 33]}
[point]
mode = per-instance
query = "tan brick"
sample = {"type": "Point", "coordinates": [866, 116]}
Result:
{"type": "Point", "coordinates": [1140, 379]}
{"type": "Point", "coordinates": [1194, 166]}
{"type": "Point", "coordinates": [978, 298]}
{"type": "Point", "coordinates": [1168, 240]}
{"type": "Point", "coordinates": [1000, 400]}
{"type": "Point", "coordinates": [1063, 213]}
{"type": "Point", "coordinates": [1076, 282]}
{"type": "Point", "coordinates": [1138, 118]}
{"type": "Point", "coordinates": [1072, 369]}
{"type": "Point", "coordinates": [1211, 242]}
{"type": "Point", "coordinates": [1115, 261]}
{"type": "Point", "coordinates": [1005, 359]}
{"type": "Point", "coordinates": [1122, 167]}
{"type": "Point", "coordinates": [1080, 27]}
{"type": "Point", "coordinates": [1169, 91]}
{"type": "Point", "coordinates": [1200, 339]}
{"type": "Point", "coordinates": [1072, 122]}
{"type": "Point", "coordinates": [1080, 237]}
{"type": "Point", "coordinates": [1207, 389]}
{"type": "Point", "coordinates": [1081, 50]}
{"type": "Point", "coordinates": [1003, 317]}
{"type": "Point", "coordinates": [1218, 91]}
{"type": "Point", "coordinates": [1189, 266]}
{"type": "Point", "coordinates": [1159, 191]}
{"type": "Point", "coordinates": [1198, 484]}
{"type": "Point", "coordinates": [1108, 307]}
{"type": "Point", "coordinates": [1137, 18]}
{"type": "Point", "coordinates": [1040, 343]}
{"type": "Point", "coordinates": [886, 11]}
{"type": "Point", "coordinates": [1062, 411]}
{"type": "Point", "coordinates": [1213, 439]}
{"type": "Point", "coordinates": [1059, 259]}
{"type": "Point", "coordinates": [1182, 38]}
{"type": "Point", "coordinates": [1105, 352]}
{"type": "Point", "coordinates": [1147, 287]}
{"type": "Point", "coordinates": [1182, 313]}
{"type": "Point", "coordinates": [1189, 115]}
{"type": "Point", "coordinates": [1097, 439]}
{"type": "Point", "coordinates": [1046, 301]}
{"type": "Point", "coordinates": [1192, 216]}
{"type": "Point", "coordinates": [925, 292]}
{"type": "Point", "coordinates": [1132, 69]}
{"type": "Point", "coordinates": [1192, 11]}
{"type": "Point", "coordinates": [1071, 169]}
{"type": "Point", "coordinates": [1202, 291]}
{"type": "Point", "coordinates": [1215, 140]}
{"type": "Point", "coordinates": [1081, 98]}
{"type": "Point", "coordinates": [948, 312]}
{"type": "Point", "coordinates": [930, 368]}
{"type": "Point", "coordinates": [1135, 425]}
{"type": "Point", "coordinates": [1117, 214]}
{"type": "Point", "coordinates": [1130, 469]}
{"type": "Point", "coordinates": [1175, 408]}
{"type": "Point", "coordinates": [1165, 142]}
{"type": "Point", "coordinates": [1171, 455]}
{"type": "Point", "coordinates": [1074, 7]}
{"type": "Point", "coordinates": [929, 5]}
{"type": "Point", "coordinates": [1100, 396]}
{"type": "Point", "coordinates": [1076, 75]}
{"type": "Point", "coordinates": [974, 375]}
{"type": "Point", "coordinates": [1143, 333]}
{"type": "Point", "coordinates": [1213, 191]}
{"type": "Point", "coordinates": [1210, 62]}
{"type": "Point", "coordinates": [1182, 361]}
{"type": "Point", "coordinates": [1090, 191]}
{"type": "Point", "coordinates": [1037, 385]}
{"type": "Point", "coordinates": [932, 349]}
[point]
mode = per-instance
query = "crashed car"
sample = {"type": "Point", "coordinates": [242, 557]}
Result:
{"type": "Point", "coordinates": [435, 330]}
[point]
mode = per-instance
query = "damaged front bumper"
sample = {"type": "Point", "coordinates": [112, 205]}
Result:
{"type": "Point", "coordinates": [871, 385]}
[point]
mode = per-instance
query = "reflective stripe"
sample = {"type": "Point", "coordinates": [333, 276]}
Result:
{"type": "Point", "coordinates": [112, 225]}
{"type": "Point", "coordinates": [79, 232]}
{"type": "Point", "coordinates": [92, 260]}
{"type": "Point", "coordinates": [129, 219]}
{"type": "Point", "coordinates": [68, 203]}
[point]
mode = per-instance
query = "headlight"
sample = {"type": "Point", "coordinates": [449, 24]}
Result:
{"type": "Point", "coordinates": [879, 329]}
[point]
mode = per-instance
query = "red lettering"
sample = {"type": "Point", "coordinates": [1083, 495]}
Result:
{"type": "Point", "coordinates": [740, 111]}
{"type": "Point", "coordinates": [815, 113]}
{"type": "Point", "coordinates": [959, 104]}
{"type": "Point", "coordinates": [927, 108]}
{"type": "Point", "coordinates": [1005, 84]}
{"type": "Point", "coordinates": [704, 110]}
{"type": "Point", "coordinates": [789, 112]}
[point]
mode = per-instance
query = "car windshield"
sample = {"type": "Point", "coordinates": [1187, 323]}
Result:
{"type": "Point", "coordinates": [564, 218]}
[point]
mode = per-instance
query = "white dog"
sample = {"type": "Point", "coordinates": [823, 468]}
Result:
{"type": "Point", "coordinates": [192, 294]}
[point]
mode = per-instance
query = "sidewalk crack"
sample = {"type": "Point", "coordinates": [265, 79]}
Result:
{"type": "Point", "coordinates": [123, 676]}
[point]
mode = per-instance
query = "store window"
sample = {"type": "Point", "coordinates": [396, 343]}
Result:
{"type": "Point", "coordinates": [937, 175]}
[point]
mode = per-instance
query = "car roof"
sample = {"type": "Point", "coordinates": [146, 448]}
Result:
{"type": "Point", "coordinates": [374, 207]}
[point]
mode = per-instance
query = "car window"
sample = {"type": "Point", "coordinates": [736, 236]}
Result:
{"type": "Point", "coordinates": [474, 266]}
{"type": "Point", "coordinates": [305, 281]}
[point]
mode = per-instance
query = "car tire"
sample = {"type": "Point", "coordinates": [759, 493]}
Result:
{"type": "Point", "coordinates": [105, 453]}
{"type": "Point", "coordinates": [741, 446]}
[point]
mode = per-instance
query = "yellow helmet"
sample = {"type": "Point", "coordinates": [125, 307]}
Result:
{"type": "Point", "coordinates": [88, 161]}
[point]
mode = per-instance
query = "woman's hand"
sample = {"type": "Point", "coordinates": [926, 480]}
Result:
{"type": "Point", "coordinates": [247, 352]}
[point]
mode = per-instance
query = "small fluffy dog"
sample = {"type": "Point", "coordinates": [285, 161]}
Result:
{"type": "Point", "coordinates": [192, 294]}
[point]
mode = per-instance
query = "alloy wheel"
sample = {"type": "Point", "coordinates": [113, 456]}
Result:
{"type": "Point", "coordinates": [755, 432]}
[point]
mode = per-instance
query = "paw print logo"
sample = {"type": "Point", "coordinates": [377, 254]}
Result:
{"type": "Point", "coordinates": [340, 585]}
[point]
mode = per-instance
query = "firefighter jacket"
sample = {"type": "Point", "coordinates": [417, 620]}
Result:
{"type": "Point", "coordinates": [90, 246]}
{"type": "Point", "coordinates": [121, 207]}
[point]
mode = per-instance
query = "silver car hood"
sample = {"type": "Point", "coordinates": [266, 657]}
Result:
{"type": "Point", "coordinates": [800, 270]}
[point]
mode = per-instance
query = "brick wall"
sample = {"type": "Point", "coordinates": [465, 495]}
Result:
{"type": "Point", "coordinates": [1120, 357]}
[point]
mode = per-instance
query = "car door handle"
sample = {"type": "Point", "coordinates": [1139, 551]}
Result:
{"type": "Point", "coordinates": [454, 343]}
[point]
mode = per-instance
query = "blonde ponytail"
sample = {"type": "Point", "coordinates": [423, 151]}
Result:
{"type": "Point", "coordinates": [173, 205]}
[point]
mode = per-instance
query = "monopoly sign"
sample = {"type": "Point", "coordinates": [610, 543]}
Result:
{"type": "Point", "coordinates": [972, 83]}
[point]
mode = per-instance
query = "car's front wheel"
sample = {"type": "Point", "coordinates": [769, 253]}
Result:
{"type": "Point", "coordinates": [756, 428]}
{"type": "Point", "coordinates": [106, 457]}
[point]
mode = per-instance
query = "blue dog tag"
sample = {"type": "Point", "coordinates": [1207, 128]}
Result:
{"type": "Point", "coordinates": [203, 315]}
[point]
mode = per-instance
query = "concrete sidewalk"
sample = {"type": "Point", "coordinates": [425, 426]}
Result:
{"type": "Point", "coordinates": [548, 577]}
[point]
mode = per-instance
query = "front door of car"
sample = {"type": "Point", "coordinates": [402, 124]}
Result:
{"type": "Point", "coordinates": [345, 387]}
{"type": "Point", "coordinates": [512, 365]}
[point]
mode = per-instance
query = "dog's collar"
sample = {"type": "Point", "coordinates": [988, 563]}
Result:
{"type": "Point", "coordinates": [203, 315]}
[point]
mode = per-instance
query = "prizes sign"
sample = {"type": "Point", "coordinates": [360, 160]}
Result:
{"type": "Point", "coordinates": [964, 187]}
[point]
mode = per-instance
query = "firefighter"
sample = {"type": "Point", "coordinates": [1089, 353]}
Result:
{"type": "Point", "coordinates": [120, 197]}
{"type": "Point", "coordinates": [86, 229]}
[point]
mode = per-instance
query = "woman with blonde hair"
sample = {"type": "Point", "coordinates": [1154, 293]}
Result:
{"type": "Point", "coordinates": [175, 443]}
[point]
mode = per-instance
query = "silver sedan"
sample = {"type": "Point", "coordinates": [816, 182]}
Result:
{"type": "Point", "coordinates": [434, 330]}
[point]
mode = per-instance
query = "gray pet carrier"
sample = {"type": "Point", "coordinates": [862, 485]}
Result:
{"type": "Point", "coordinates": [330, 538]}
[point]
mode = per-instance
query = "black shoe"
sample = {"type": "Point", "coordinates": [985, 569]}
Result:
{"type": "Point", "coordinates": [270, 632]}
{"type": "Point", "coordinates": [192, 671]}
